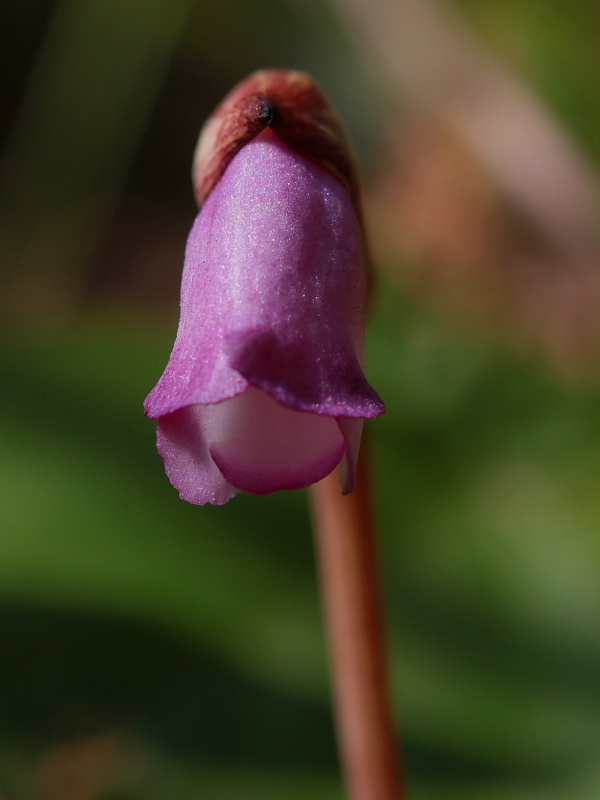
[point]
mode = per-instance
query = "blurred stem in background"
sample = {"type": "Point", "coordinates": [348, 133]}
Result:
{"type": "Point", "coordinates": [86, 106]}
{"type": "Point", "coordinates": [483, 190]}
{"type": "Point", "coordinates": [345, 538]}
{"type": "Point", "coordinates": [429, 56]}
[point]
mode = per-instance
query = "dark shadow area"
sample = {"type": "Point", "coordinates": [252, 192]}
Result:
{"type": "Point", "coordinates": [64, 674]}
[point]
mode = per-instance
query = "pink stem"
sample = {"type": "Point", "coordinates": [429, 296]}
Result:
{"type": "Point", "coordinates": [345, 541]}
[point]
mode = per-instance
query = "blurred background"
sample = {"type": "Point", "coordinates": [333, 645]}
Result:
{"type": "Point", "coordinates": [150, 649]}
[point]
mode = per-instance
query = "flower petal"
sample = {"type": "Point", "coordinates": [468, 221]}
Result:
{"type": "Point", "coordinates": [261, 446]}
{"type": "Point", "coordinates": [182, 443]}
{"type": "Point", "coordinates": [273, 291]}
{"type": "Point", "coordinates": [312, 371]}
{"type": "Point", "coordinates": [351, 429]}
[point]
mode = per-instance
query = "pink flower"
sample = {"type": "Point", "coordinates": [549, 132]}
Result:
{"type": "Point", "coordinates": [264, 389]}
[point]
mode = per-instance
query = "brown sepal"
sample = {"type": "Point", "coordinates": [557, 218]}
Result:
{"type": "Point", "coordinates": [292, 105]}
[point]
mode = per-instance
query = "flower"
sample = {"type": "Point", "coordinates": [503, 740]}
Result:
{"type": "Point", "coordinates": [264, 389]}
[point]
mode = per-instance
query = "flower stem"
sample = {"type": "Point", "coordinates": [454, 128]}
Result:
{"type": "Point", "coordinates": [345, 542]}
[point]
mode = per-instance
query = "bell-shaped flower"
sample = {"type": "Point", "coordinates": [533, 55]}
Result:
{"type": "Point", "coordinates": [264, 389]}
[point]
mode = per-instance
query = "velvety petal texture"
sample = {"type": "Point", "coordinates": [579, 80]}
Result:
{"type": "Point", "coordinates": [264, 389]}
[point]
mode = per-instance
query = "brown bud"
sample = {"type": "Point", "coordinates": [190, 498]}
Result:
{"type": "Point", "coordinates": [292, 105]}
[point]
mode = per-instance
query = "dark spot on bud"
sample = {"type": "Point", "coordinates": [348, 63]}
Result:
{"type": "Point", "coordinates": [267, 113]}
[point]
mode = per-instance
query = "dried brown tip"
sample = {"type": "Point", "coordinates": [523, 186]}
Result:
{"type": "Point", "coordinates": [292, 105]}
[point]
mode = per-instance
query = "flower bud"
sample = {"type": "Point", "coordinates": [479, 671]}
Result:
{"type": "Point", "coordinates": [264, 389]}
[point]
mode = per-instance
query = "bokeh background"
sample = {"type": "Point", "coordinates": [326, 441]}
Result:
{"type": "Point", "coordinates": [150, 649]}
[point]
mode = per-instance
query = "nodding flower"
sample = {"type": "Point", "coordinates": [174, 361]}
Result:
{"type": "Point", "coordinates": [264, 389]}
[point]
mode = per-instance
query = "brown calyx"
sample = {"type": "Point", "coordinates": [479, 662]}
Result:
{"type": "Point", "coordinates": [292, 105]}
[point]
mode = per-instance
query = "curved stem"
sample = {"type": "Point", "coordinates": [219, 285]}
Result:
{"type": "Point", "coordinates": [345, 541]}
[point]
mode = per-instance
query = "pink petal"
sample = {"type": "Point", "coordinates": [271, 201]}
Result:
{"type": "Point", "coordinates": [181, 441]}
{"type": "Point", "coordinates": [351, 429]}
{"type": "Point", "coordinates": [273, 292]}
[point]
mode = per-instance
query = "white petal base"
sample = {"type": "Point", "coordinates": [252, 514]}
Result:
{"type": "Point", "coordinates": [261, 446]}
